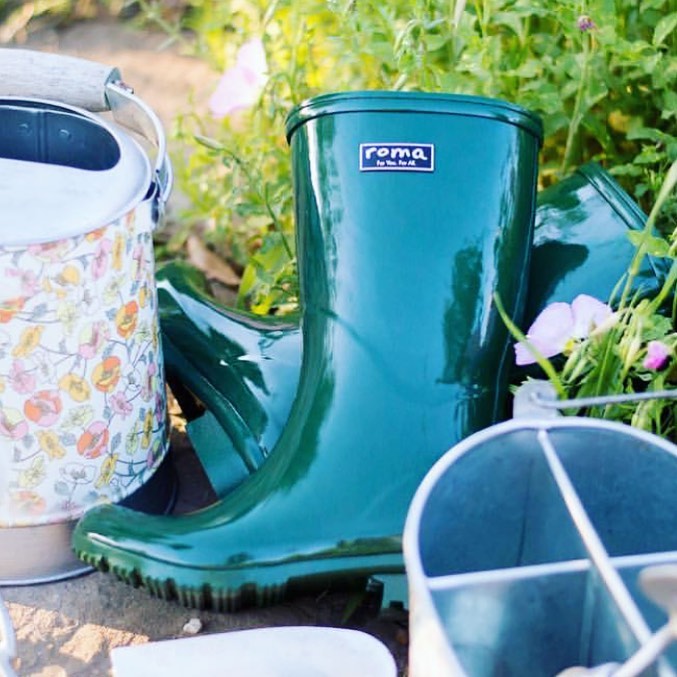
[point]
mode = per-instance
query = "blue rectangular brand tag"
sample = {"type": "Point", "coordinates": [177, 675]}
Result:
{"type": "Point", "coordinates": [397, 157]}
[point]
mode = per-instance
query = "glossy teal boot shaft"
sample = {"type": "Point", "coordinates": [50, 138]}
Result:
{"type": "Point", "coordinates": [245, 369]}
{"type": "Point", "coordinates": [412, 212]}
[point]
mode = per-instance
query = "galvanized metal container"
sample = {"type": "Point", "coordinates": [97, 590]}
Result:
{"type": "Point", "coordinates": [524, 543]}
{"type": "Point", "coordinates": [82, 397]}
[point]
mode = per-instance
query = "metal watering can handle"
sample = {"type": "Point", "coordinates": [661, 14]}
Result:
{"type": "Point", "coordinates": [89, 85]}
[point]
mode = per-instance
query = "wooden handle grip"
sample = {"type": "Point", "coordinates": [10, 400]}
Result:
{"type": "Point", "coordinates": [66, 79]}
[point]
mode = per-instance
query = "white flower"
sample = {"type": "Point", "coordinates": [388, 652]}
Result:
{"type": "Point", "coordinates": [560, 324]}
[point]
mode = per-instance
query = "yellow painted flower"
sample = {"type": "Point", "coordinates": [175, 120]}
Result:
{"type": "Point", "coordinates": [69, 275]}
{"type": "Point", "coordinates": [132, 440]}
{"type": "Point", "coordinates": [67, 312]}
{"type": "Point", "coordinates": [143, 295]}
{"type": "Point", "coordinates": [147, 429]}
{"type": "Point", "coordinates": [28, 341]}
{"type": "Point", "coordinates": [118, 252]}
{"type": "Point", "coordinates": [76, 387]}
{"type": "Point", "coordinates": [125, 319]}
{"type": "Point", "coordinates": [107, 471]}
{"type": "Point", "coordinates": [49, 443]}
{"type": "Point", "coordinates": [78, 417]}
{"type": "Point", "coordinates": [33, 475]}
{"type": "Point", "coordinates": [107, 374]}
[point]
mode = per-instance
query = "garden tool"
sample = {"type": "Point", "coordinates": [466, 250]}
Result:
{"type": "Point", "coordinates": [413, 210]}
{"type": "Point", "coordinates": [244, 369]}
{"type": "Point", "coordinates": [262, 652]}
{"type": "Point", "coordinates": [82, 413]}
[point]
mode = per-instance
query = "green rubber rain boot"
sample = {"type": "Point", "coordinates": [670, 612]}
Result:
{"type": "Point", "coordinates": [236, 374]}
{"type": "Point", "coordinates": [412, 210]}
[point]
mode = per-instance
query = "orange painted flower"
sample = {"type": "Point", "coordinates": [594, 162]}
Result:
{"type": "Point", "coordinates": [107, 374]}
{"type": "Point", "coordinates": [95, 234]}
{"type": "Point", "coordinates": [10, 307]}
{"type": "Point", "coordinates": [125, 319]}
{"type": "Point", "coordinates": [28, 503]}
{"type": "Point", "coordinates": [93, 442]}
{"type": "Point", "coordinates": [28, 341]}
{"type": "Point", "coordinates": [49, 442]}
{"type": "Point", "coordinates": [44, 407]}
{"type": "Point", "coordinates": [75, 386]}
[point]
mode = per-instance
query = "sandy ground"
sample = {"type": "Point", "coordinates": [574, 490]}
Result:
{"type": "Point", "coordinates": [69, 628]}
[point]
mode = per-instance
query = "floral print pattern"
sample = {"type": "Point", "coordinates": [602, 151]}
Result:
{"type": "Point", "coordinates": [82, 397]}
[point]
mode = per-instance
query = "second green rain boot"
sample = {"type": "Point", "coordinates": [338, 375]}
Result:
{"type": "Point", "coordinates": [412, 210]}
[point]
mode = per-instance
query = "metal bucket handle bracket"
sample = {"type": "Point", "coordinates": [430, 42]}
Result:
{"type": "Point", "coordinates": [89, 85]}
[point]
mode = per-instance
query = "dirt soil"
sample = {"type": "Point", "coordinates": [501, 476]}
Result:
{"type": "Point", "coordinates": [69, 627]}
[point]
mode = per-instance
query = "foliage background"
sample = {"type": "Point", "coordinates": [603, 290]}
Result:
{"type": "Point", "coordinates": [607, 93]}
{"type": "Point", "coordinates": [601, 73]}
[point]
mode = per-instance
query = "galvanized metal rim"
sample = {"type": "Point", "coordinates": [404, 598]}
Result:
{"type": "Point", "coordinates": [129, 149]}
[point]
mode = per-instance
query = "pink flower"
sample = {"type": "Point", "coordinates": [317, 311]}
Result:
{"type": "Point", "coordinates": [100, 261]}
{"type": "Point", "coordinates": [27, 278]}
{"type": "Point", "coordinates": [657, 355]}
{"type": "Point", "coordinates": [21, 379]}
{"type": "Point", "coordinates": [120, 405]}
{"type": "Point", "coordinates": [560, 324]}
{"type": "Point", "coordinates": [585, 23]}
{"type": "Point", "coordinates": [12, 424]}
{"type": "Point", "coordinates": [92, 339]}
{"type": "Point", "coordinates": [241, 85]}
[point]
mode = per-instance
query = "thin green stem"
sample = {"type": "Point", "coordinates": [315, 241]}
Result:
{"type": "Point", "coordinates": [578, 112]}
{"type": "Point", "coordinates": [663, 194]}
{"type": "Point", "coordinates": [541, 360]}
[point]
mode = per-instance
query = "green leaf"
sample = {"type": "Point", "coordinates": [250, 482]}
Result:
{"type": "Point", "coordinates": [664, 27]}
{"type": "Point", "coordinates": [653, 246]}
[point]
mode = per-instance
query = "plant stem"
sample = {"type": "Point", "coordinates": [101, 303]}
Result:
{"type": "Point", "coordinates": [542, 361]}
{"type": "Point", "coordinates": [663, 194]}
{"type": "Point", "coordinates": [577, 115]}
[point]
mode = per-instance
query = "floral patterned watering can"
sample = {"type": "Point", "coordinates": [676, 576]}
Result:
{"type": "Point", "coordinates": [82, 397]}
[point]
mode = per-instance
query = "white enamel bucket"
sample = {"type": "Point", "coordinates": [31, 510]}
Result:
{"type": "Point", "coordinates": [82, 396]}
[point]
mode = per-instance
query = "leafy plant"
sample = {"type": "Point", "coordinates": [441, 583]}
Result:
{"type": "Point", "coordinates": [633, 350]}
{"type": "Point", "coordinates": [601, 73]}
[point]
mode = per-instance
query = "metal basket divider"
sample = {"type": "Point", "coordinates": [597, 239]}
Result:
{"type": "Point", "coordinates": [599, 557]}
